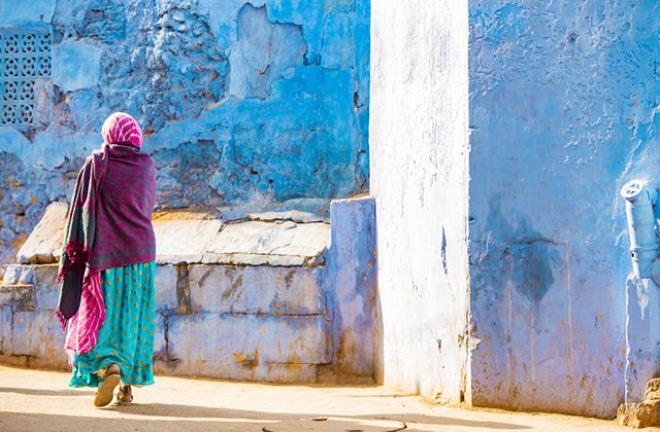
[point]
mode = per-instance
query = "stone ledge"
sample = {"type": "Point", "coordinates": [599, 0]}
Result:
{"type": "Point", "coordinates": [289, 238]}
{"type": "Point", "coordinates": [291, 215]}
{"type": "Point", "coordinates": [275, 242]}
{"type": "Point", "coordinates": [252, 259]}
{"type": "Point", "coordinates": [183, 236]}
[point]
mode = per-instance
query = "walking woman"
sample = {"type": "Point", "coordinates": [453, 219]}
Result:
{"type": "Point", "coordinates": [107, 267]}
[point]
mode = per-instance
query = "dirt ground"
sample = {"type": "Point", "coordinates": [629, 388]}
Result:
{"type": "Point", "coordinates": [32, 400]}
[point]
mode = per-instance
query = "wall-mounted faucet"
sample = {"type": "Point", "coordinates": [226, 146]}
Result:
{"type": "Point", "coordinates": [641, 198]}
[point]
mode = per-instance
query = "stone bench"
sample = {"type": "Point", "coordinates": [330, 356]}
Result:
{"type": "Point", "coordinates": [275, 297]}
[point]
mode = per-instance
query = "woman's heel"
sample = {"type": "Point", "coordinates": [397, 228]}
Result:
{"type": "Point", "coordinates": [107, 387]}
{"type": "Point", "coordinates": [125, 395]}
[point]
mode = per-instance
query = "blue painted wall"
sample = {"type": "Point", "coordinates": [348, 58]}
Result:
{"type": "Point", "coordinates": [259, 104]}
{"type": "Point", "coordinates": [563, 111]}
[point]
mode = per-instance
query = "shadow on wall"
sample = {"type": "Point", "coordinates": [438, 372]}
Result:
{"type": "Point", "coordinates": [527, 258]}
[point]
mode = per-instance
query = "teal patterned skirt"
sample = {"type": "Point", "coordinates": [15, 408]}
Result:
{"type": "Point", "coordinates": [126, 338]}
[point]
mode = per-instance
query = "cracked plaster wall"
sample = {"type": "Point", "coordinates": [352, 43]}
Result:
{"type": "Point", "coordinates": [258, 105]}
{"type": "Point", "coordinates": [563, 111]}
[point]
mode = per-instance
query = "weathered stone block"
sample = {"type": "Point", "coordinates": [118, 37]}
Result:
{"type": "Point", "coordinates": [46, 288]}
{"type": "Point", "coordinates": [44, 244]}
{"type": "Point", "coordinates": [11, 275]}
{"type": "Point", "coordinates": [279, 239]}
{"type": "Point", "coordinates": [165, 284]}
{"type": "Point", "coordinates": [183, 236]}
{"type": "Point", "coordinates": [242, 346]}
{"type": "Point", "coordinates": [38, 334]}
{"type": "Point", "coordinates": [19, 297]}
{"type": "Point", "coordinates": [212, 287]}
{"type": "Point", "coordinates": [293, 339]}
{"type": "Point", "coordinates": [643, 414]}
{"type": "Point", "coordinates": [17, 274]}
{"type": "Point", "coordinates": [256, 290]}
{"type": "Point", "coordinates": [276, 243]}
{"type": "Point", "coordinates": [280, 291]}
{"type": "Point", "coordinates": [160, 341]}
{"type": "Point", "coordinates": [5, 328]}
{"type": "Point", "coordinates": [351, 264]}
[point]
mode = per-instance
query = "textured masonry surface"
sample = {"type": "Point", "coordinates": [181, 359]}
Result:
{"type": "Point", "coordinates": [563, 112]}
{"type": "Point", "coordinates": [279, 319]}
{"type": "Point", "coordinates": [248, 106]}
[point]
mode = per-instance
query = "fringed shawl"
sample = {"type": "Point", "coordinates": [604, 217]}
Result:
{"type": "Point", "coordinates": [109, 220]}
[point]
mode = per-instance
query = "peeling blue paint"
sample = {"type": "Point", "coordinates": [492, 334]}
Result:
{"type": "Point", "coordinates": [30, 12]}
{"type": "Point", "coordinates": [244, 103]}
{"type": "Point", "coordinates": [563, 111]}
{"type": "Point", "coordinates": [76, 65]}
{"type": "Point", "coordinates": [263, 53]}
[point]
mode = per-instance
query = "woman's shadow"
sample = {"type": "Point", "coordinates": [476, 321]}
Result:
{"type": "Point", "coordinates": [40, 392]}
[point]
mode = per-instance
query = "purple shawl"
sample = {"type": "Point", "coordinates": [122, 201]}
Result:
{"type": "Point", "coordinates": [109, 219]}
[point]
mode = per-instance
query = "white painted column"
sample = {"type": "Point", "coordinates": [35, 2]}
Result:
{"type": "Point", "coordinates": [418, 155]}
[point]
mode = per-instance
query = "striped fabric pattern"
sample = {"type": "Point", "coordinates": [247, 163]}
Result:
{"type": "Point", "coordinates": [121, 128]}
{"type": "Point", "coordinates": [82, 332]}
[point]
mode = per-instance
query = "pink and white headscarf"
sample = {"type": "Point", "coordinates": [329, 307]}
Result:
{"type": "Point", "coordinates": [121, 128]}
